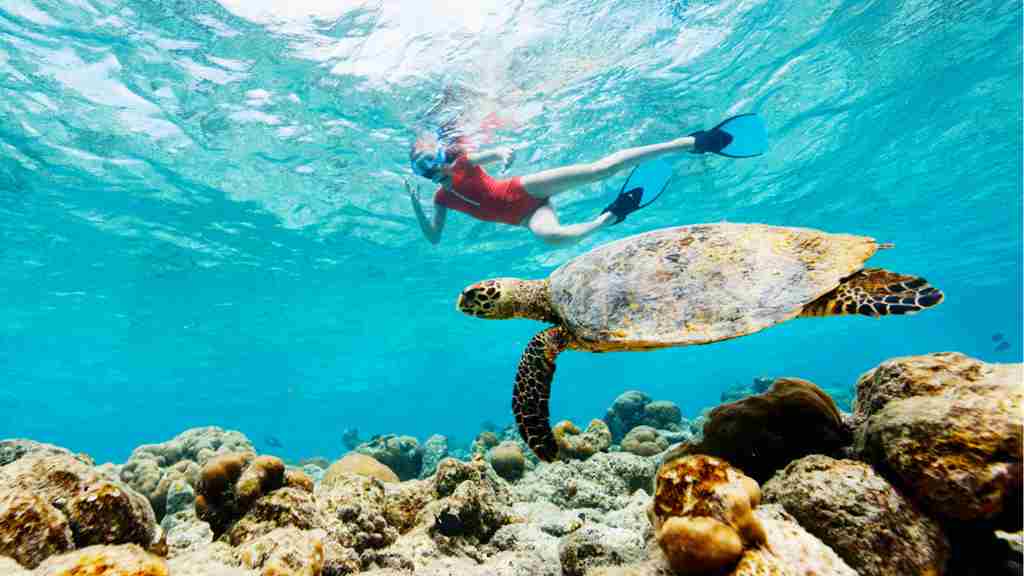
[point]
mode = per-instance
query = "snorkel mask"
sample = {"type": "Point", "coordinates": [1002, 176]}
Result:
{"type": "Point", "coordinates": [429, 167]}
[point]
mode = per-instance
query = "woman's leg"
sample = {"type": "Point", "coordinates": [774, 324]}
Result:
{"type": "Point", "coordinates": [544, 224]}
{"type": "Point", "coordinates": [550, 182]}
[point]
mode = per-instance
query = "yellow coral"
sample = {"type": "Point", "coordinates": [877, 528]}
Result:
{"type": "Point", "coordinates": [702, 513]}
{"type": "Point", "coordinates": [359, 464]}
{"type": "Point", "coordinates": [581, 445]}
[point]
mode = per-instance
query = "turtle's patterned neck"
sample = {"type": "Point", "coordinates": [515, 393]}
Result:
{"type": "Point", "coordinates": [531, 299]}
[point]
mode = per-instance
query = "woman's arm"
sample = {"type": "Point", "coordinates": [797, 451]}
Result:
{"type": "Point", "coordinates": [504, 154]}
{"type": "Point", "coordinates": [431, 229]}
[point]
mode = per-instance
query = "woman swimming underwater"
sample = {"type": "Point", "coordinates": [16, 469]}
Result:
{"type": "Point", "coordinates": [524, 200]}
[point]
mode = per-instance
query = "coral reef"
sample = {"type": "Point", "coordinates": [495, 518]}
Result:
{"type": "Point", "coordinates": [644, 441]}
{"type": "Point", "coordinates": [361, 464]}
{"type": "Point", "coordinates": [853, 510]}
{"type": "Point", "coordinates": [940, 436]}
{"type": "Point", "coordinates": [402, 454]}
{"type": "Point", "coordinates": [761, 434]}
{"type": "Point", "coordinates": [576, 445]}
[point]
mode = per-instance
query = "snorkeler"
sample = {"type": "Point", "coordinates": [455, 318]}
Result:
{"type": "Point", "coordinates": [524, 200]}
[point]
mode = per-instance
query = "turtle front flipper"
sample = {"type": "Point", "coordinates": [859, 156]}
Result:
{"type": "Point", "coordinates": [876, 292]}
{"type": "Point", "coordinates": [533, 389]}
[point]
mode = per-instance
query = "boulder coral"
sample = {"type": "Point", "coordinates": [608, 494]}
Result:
{"type": "Point", "coordinates": [857, 513]}
{"type": "Point", "coordinates": [662, 414]}
{"type": "Point", "coordinates": [508, 460]}
{"type": "Point", "coordinates": [626, 413]}
{"type": "Point", "coordinates": [702, 513]}
{"type": "Point", "coordinates": [947, 429]}
{"type": "Point", "coordinates": [152, 468]}
{"type": "Point", "coordinates": [360, 464]}
{"type": "Point", "coordinates": [402, 454]}
{"type": "Point", "coordinates": [435, 449]}
{"type": "Point", "coordinates": [644, 441]}
{"type": "Point", "coordinates": [576, 445]}
{"type": "Point", "coordinates": [762, 433]}
{"type": "Point", "coordinates": [230, 483]}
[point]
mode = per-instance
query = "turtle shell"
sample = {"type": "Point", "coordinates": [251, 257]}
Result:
{"type": "Point", "coordinates": [699, 284]}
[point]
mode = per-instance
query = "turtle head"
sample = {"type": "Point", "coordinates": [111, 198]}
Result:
{"type": "Point", "coordinates": [501, 298]}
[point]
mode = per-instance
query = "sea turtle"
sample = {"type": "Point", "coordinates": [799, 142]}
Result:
{"type": "Point", "coordinates": [685, 285]}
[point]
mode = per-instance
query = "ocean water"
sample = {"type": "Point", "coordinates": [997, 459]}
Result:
{"type": "Point", "coordinates": [202, 219]}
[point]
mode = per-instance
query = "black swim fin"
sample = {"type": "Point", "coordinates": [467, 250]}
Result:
{"type": "Point", "coordinates": [741, 136]}
{"type": "Point", "coordinates": [643, 179]}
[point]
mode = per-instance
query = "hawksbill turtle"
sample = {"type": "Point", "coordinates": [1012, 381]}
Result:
{"type": "Point", "coordinates": [685, 285]}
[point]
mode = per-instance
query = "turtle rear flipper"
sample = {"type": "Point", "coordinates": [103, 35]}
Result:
{"type": "Point", "coordinates": [533, 390]}
{"type": "Point", "coordinates": [876, 292]}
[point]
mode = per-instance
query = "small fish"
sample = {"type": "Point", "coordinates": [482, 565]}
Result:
{"type": "Point", "coordinates": [273, 442]}
{"type": "Point", "coordinates": [997, 337]}
{"type": "Point", "coordinates": [1004, 345]}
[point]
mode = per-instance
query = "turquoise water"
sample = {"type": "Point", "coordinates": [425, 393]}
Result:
{"type": "Point", "coordinates": [202, 219]}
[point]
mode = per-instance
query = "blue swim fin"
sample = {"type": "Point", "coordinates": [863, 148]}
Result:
{"type": "Point", "coordinates": [651, 177]}
{"type": "Point", "coordinates": [741, 136]}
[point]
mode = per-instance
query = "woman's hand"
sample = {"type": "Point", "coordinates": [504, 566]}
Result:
{"type": "Point", "coordinates": [414, 193]}
{"type": "Point", "coordinates": [508, 156]}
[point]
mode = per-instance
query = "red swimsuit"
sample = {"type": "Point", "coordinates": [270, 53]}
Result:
{"type": "Point", "coordinates": [477, 194]}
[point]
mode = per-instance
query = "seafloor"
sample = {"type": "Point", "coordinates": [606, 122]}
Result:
{"type": "Point", "coordinates": [923, 476]}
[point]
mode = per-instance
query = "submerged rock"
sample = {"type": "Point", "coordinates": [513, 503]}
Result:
{"type": "Point", "coordinates": [626, 413]}
{"type": "Point", "coordinates": [761, 434]}
{"type": "Point", "coordinates": [947, 429]}
{"type": "Point", "coordinates": [44, 493]}
{"type": "Point", "coordinates": [604, 482]}
{"type": "Point", "coordinates": [31, 529]}
{"type": "Point", "coordinates": [596, 545]}
{"type": "Point", "coordinates": [860, 516]}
